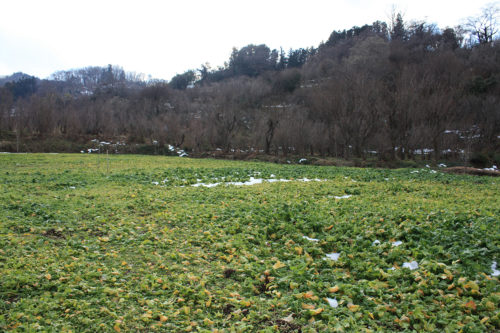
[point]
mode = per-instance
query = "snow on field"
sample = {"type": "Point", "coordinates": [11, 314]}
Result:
{"type": "Point", "coordinates": [333, 302]}
{"type": "Point", "coordinates": [411, 265]}
{"type": "Point", "coordinates": [397, 243]}
{"type": "Point", "coordinates": [496, 272]}
{"type": "Point", "coordinates": [311, 239]}
{"type": "Point", "coordinates": [376, 242]}
{"type": "Point", "coordinates": [252, 181]}
{"type": "Point", "coordinates": [333, 256]}
{"type": "Point", "coordinates": [347, 196]}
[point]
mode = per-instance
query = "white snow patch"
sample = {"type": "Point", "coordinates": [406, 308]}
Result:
{"type": "Point", "coordinates": [347, 196]}
{"type": "Point", "coordinates": [302, 160]}
{"type": "Point", "coordinates": [414, 171]}
{"type": "Point", "coordinates": [397, 243]}
{"type": "Point", "coordinates": [204, 185]}
{"type": "Point", "coordinates": [333, 256]}
{"type": "Point", "coordinates": [72, 187]}
{"type": "Point", "coordinates": [253, 181]}
{"type": "Point", "coordinates": [493, 168]}
{"type": "Point", "coordinates": [310, 239]}
{"type": "Point", "coordinates": [427, 166]}
{"type": "Point", "coordinates": [442, 165]}
{"type": "Point", "coordinates": [433, 171]}
{"type": "Point", "coordinates": [332, 302]}
{"type": "Point", "coordinates": [155, 183]}
{"type": "Point", "coordinates": [376, 242]}
{"type": "Point", "coordinates": [496, 272]}
{"type": "Point", "coordinates": [411, 265]}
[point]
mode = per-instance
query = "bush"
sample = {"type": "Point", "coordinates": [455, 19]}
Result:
{"type": "Point", "coordinates": [479, 160]}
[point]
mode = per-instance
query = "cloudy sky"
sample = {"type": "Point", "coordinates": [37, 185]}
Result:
{"type": "Point", "coordinates": [162, 38]}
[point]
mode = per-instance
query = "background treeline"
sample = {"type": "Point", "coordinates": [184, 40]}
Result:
{"type": "Point", "coordinates": [395, 91]}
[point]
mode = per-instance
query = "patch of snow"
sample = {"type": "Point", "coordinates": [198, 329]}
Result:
{"type": "Point", "coordinates": [433, 171]}
{"type": "Point", "coordinates": [424, 151]}
{"type": "Point", "coordinates": [302, 160]}
{"type": "Point", "coordinates": [376, 242]}
{"type": "Point", "coordinates": [81, 151]}
{"type": "Point", "coordinates": [72, 187]}
{"type": "Point", "coordinates": [205, 185]}
{"type": "Point", "coordinates": [397, 243]}
{"type": "Point", "coordinates": [333, 256]}
{"type": "Point", "coordinates": [155, 183]}
{"type": "Point", "coordinates": [391, 269]}
{"type": "Point", "coordinates": [332, 302]}
{"type": "Point", "coordinates": [442, 165]}
{"type": "Point", "coordinates": [171, 148]}
{"type": "Point", "coordinates": [253, 181]}
{"type": "Point", "coordinates": [272, 176]}
{"type": "Point", "coordinates": [493, 168]}
{"type": "Point", "coordinates": [346, 196]}
{"type": "Point", "coordinates": [311, 239]}
{"type": "Point", "coordinates": [411, 265]}
{"type": "Point", "coordinates": [183, 154]}
{"type": "Point", "coordinates": [414, 171]}
{"type": "Point", "coordinates": [427, 166]}
{"type": "Point", "coordinates": [496, 272]}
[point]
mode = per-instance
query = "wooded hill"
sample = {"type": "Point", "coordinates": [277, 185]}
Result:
{"type": "Point", "coordinates": [393, 90]}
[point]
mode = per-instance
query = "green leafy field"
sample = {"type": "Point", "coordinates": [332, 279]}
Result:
{"type": "Point", "coordinates": [126, 244]}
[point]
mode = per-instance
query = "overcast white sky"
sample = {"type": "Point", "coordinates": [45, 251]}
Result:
{"type": "Point", "coordinates": [162, 38]}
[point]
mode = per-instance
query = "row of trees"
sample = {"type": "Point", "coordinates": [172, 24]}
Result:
{"type": "Point", "coordinates": [395, 90]}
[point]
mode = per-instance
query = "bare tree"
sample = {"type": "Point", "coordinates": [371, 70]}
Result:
{"type": "Point", "coordinates": [485, 26]}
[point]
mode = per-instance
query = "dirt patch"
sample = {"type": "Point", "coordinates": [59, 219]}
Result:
{"type": "Point", "coordinates": [229, 272]}
{"type": "Point", "coordinates": [53, 233]}
{"type": "Point", "coordinates": [472, 171]}
{"type": "Point", "coordinates": [287, 327]}
{"type": "Point", "coordinates": [227, 309]}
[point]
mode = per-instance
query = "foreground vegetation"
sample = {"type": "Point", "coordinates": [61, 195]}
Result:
{"type": "Point", "coordinates": [126, 244]}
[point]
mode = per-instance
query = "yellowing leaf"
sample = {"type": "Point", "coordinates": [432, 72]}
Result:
{"type": "Point", "coordinates": [48, 276]}
{"type": "Point", "coordinates": [208, 322]}
{"type": "Point", "coordinates": [329, 227]}
{"type": "Point", "coordinates": [334, 289]}
{"type": "Point", "coordinates": [316, 312]}
{"type": "Point", "coordinates": [310, 295]}
{"type": "Point", "coordinates": [299, 250]}
{"type": "Point", "coordinates": [245, 303]}
{"type": "Point", "coordinates": [307, 306]}
{"type": "Point", "coordinates": [117, 328]}
{"type": "Point", "coordinates": [471, 285]}
{"type": "Point", "coordinates": [278, 265]}
{"type": "Point", "coordinates": [352, 307]}
{"type": "Point", "coordinates": [471, 305]}
{"type": "Point", "coordinates": [163, 318]}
